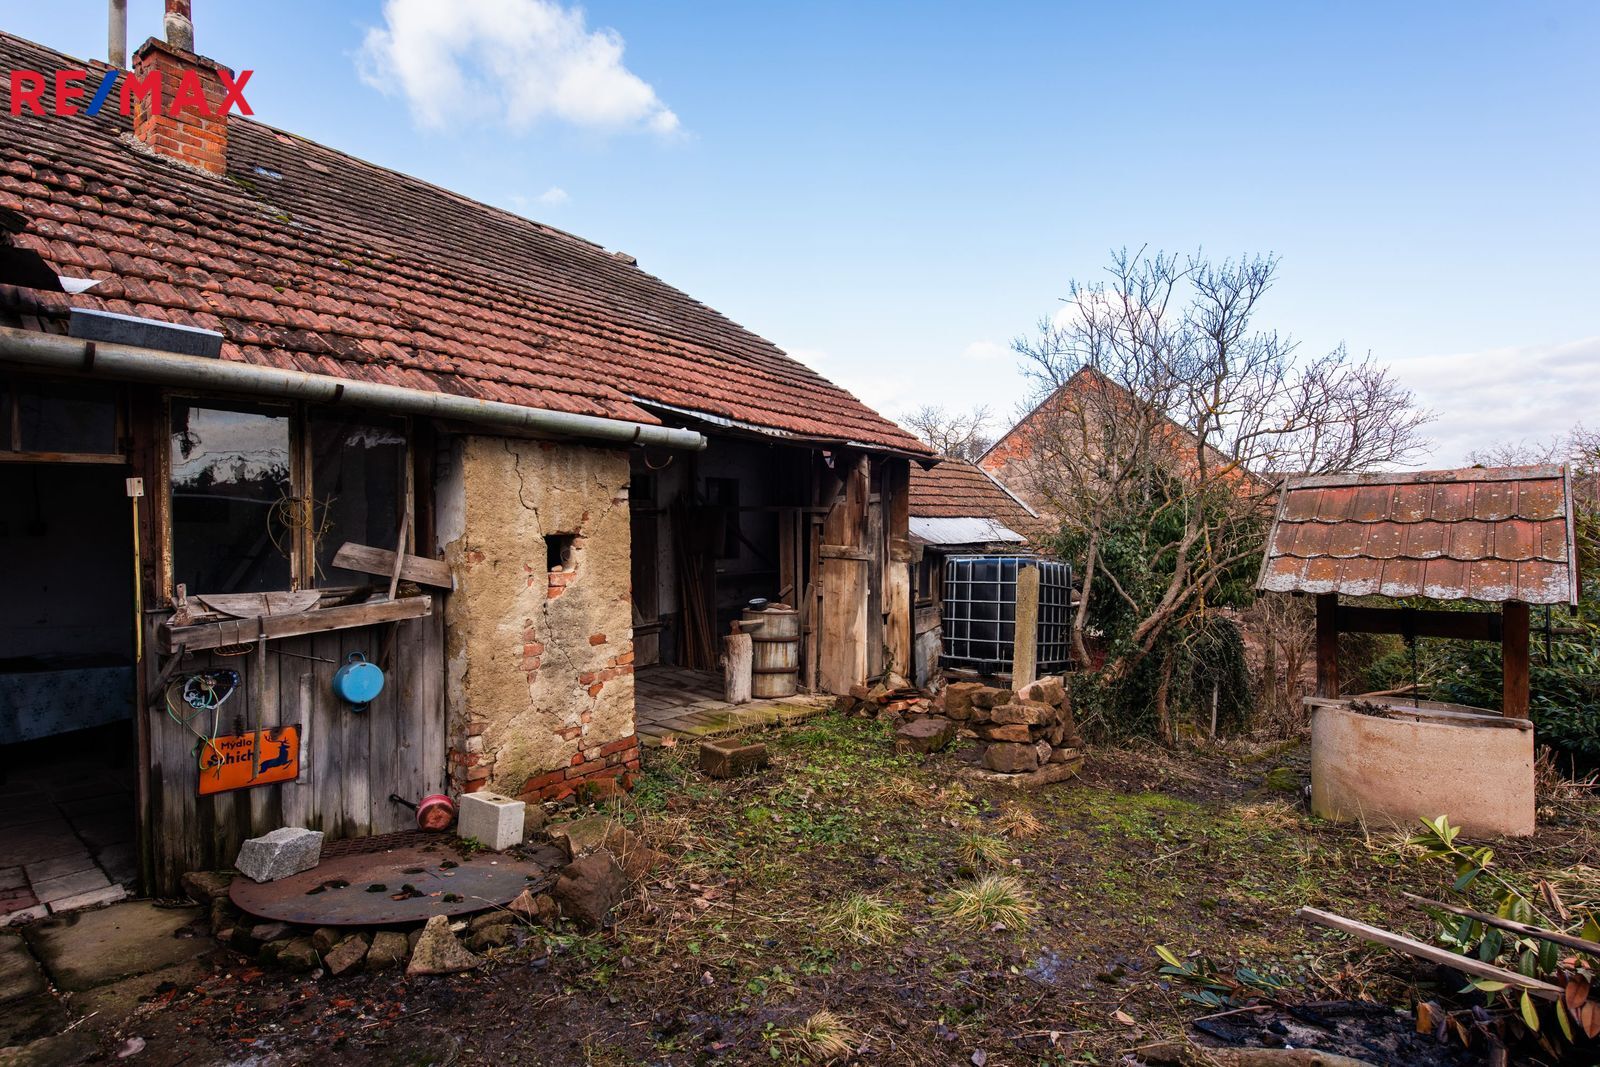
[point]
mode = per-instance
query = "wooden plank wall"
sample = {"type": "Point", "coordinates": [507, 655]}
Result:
{"type": "Point", "coordinates": [351, 761]}
{"type": "Point", "coordinates": [897, 591]}
{"type": "Point", "coordinates": [844, 559]}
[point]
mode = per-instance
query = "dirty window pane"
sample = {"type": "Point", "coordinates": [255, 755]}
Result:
{"type": "Point", "coordinates": [358, 480]}
{"type": "Point", "coordinates": [229, 470]}
{"type": "Point", "coordinates": [61, 417]}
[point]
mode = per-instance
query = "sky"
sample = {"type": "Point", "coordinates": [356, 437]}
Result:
{"type": "Point", "coordinates": [893, 192]}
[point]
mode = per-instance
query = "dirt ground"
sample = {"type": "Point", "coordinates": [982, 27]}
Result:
{"type": "Point", "coordinates": [729, 950]}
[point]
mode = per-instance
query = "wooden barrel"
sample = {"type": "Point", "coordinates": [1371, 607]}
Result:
{"type": "Point", "coordinates": [777, 651]}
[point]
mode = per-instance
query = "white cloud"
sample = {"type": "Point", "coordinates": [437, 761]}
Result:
{"type": "Point", "coordinates": [517, 62]}
{"type": "Point", "coordinates": [554, 195]}
{"type": "Point", "coordinates": [1522, 393]}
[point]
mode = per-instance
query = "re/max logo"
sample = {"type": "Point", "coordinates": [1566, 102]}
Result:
{"type": "Point", "coordinates": [28, 89]}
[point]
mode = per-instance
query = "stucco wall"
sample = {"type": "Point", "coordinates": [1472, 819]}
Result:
{"type": "Point", "coordinates": [539, 662]}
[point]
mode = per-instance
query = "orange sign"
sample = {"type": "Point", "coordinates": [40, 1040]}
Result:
{"type": "Point", "coordinates": [229, 762]}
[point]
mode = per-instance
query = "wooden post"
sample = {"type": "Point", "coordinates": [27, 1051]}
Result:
{"type": "Point", "coordinates": [738, 665]}
{"type": "Point", "coordinates": [1025, 643]}
{"type": "Point", "coordinates": [1514, 659]}
{"type": "Point", "coordinates": [897, 635]}
{"type": "Point", "coordinates": [1327, 644]}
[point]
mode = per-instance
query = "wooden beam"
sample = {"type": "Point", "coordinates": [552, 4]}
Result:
{"type": "Point", "coordinates": [1025, 642]}
{"type": "Point", "coordinates": [1421, 622]}
{"type": "Point", "coordinates": [1432, 953]}
{"type": "Point", "coordinates": [1514, 660]}
{"type": "Point", "coordinates": [1555, 937]}
{"type": "Point", "coordinates": [243, 631]}
{"type": "Point", "coordinates": [1328, 644]}
{"type": "Point", "coordinates": [380, 561]}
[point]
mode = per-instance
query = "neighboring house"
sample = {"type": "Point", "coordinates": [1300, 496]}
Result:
{"type": "Point", "coordinates": [958, 509]}
{"type": "Point", "coordinates": [599, 469]}
{"type": "Point", "coordinates": [1069, 419]}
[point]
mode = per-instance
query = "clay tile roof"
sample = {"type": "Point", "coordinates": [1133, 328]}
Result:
{"type": "Point", "coordinates": [309, 259]}
{"type": "Point", "coordinates": [957, 489]}
{"type": "Point", "coordinates": [1491, 534]}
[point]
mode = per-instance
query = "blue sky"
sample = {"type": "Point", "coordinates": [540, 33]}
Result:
{"type": "Point", "coordinates": [892, 192]}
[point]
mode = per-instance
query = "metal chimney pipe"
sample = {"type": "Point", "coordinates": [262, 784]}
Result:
{"type": "Point", "coordinates": [117, 33]}
{"type": "Point", "coordinates": [180, 25]}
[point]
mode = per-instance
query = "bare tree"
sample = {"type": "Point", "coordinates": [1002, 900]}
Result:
{"type": "Point", "coordinates": [951, 433]}
{"type": "Point", "coordinates": [1161, 406]}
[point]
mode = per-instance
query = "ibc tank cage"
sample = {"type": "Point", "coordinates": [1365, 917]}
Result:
{"type": "Point", "coordinates": [980, 613]}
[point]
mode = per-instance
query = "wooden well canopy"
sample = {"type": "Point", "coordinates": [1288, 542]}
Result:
{"type": "Point", "coordinates": [1495, 535]}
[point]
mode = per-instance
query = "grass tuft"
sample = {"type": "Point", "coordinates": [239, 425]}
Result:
{"type": "Point", "coordinates": [822, 1038]}
{"type": "Point", "coordinates": [979, 850]}
{"type": "Point", "coordinates": [995, 899]}
{"type": "Point", "coordinates": [864, 918]}
{"type": "Point", "coordinates": [900, 790]}
{"type": "Point", "coordinates": [1020, 823]}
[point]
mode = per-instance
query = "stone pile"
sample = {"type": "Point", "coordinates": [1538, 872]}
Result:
{"type": "Point", "coordinates": [1023, 732]}
{"type": "Point", "coordinates": [886, 700]}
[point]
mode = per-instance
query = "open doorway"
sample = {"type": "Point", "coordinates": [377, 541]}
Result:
{"type": "Point", "coordinates": [711, 533]}
{"type": "Point", "coordinates": [68, 748]}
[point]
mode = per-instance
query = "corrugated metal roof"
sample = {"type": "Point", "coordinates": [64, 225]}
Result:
{"type": "Point", "coordinates": [1479, 533]}
{"type": "Point", "coordinates": [962, 531]}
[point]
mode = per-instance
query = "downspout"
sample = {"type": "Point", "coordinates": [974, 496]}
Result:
{"type": "Point", "coordinates": [128, 363]}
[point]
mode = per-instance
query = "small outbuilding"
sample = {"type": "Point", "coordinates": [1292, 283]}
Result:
{"type": "Point", "coordinates": [1499, 536]}
{"type": "Point", "coordinates": [958, 509]}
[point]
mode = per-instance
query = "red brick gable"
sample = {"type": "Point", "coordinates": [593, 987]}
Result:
{"type": "Point", "coordinates": [312, 260]}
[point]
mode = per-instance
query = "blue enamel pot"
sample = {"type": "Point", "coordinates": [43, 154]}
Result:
{"type": "Point", "coordinates": [358, 682]}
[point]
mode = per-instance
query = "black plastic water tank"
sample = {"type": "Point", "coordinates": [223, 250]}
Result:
{"type": "Point", "coordinates": [980, 613]}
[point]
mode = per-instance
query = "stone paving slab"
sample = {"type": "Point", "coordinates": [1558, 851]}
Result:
{"type": "Point", "coordinates": [93, 948]}
{"type": "Point", "coordinates": [50, 890]}
{"type": "Point", "coordinates": [72, 862]}
{"type": "Point", "coordinates": [20, 976]}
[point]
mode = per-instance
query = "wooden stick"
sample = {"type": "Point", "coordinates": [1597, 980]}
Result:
{"type": "Point", "coordinates": [1443, 957]}
{"type": "Point", "coordinates": [1553, 936]}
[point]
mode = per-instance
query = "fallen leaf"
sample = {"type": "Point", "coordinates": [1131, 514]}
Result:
{"type": "Point", "coordinates": [1123, 1017]}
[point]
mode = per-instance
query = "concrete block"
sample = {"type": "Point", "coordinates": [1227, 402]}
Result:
{"type": "Point", "coordinates": [729, 758]}
{"type": "Point", "coordinates": [285, 851]}
{"type": "Point", "coordinates": [494, 820]}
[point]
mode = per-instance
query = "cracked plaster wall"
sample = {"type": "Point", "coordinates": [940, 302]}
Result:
{"type": "Point", "coordinates": [539, 684]}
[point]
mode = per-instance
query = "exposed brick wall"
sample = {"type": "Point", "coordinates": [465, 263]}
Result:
{"type": "Point", "coordinates": [181, 133]}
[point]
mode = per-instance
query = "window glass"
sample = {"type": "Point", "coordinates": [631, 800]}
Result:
{"type": "Point", "coordinates": [64, 417]}
{"type": "Point", "coordinates": [358, 480]}
{"type": "Point", "coordinates": [230, 469]}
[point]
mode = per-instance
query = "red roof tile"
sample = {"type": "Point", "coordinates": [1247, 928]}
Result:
{"type": "Point", "coordinates": [309, 259]}
{"type": "Point", "coordinates": [1491, 534]}
{"type": "Point", "coordinates": [956, 489]}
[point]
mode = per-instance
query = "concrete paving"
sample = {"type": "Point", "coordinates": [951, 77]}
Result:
{"type": "Point", "coordinates": [92, 948]}
{"type": "Point", "coordinates": [68, 978]}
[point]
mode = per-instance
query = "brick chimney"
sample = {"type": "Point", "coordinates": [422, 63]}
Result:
{"type": "Point", "coordinates": [179, 103]}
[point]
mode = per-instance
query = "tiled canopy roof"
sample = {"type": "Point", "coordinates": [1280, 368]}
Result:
{"type": "Point", "coordinates": [1489, 534]}
{"type": "Point", "coordinates": [311, 260]}
{"type": "Point", "coordinates": [956, 489]}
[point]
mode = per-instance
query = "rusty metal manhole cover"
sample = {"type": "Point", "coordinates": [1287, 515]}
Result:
{"type": "Point", "coordinates": [371, 888]}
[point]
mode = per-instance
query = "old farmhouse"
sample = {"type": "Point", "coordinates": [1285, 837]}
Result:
{"type": "Point", "coordinates": [329, 414]}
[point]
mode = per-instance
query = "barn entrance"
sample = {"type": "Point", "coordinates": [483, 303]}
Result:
{"type": "Point", "coordinates": [68, 744]}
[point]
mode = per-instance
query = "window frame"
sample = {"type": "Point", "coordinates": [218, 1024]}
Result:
{"type": "Point", "coordinates": [302, 560]}
{"type": "Point", "coordinates": [11, 450]}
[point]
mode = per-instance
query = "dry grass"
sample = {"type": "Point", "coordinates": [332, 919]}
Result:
{"type": "Point", "coordinates": [900, 790]}
{"type": "Point", "coordinates": [1019, 823]}
{"type": "Point", "coordinates": [978, 850]}
{"type": "Point", "coordinates": [822, 1038]}
{"type": "Point", "coordinates": [864, 918]}
{"type": "Point", "coordinates": [993, 900]}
